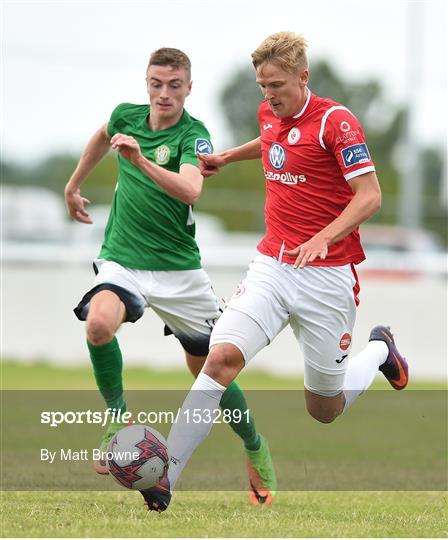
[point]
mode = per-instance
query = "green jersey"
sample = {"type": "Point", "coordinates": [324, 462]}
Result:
{"type": "Point", "coordinates": [147, 228]}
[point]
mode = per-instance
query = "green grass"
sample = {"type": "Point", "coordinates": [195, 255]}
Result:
{"type": "Point", "coordinates": [227, 514]}
{"type": "Point", "coordinates": [41, 375]}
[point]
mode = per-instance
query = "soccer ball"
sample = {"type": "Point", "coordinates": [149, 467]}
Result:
{"type": "Point", "coordinates": [138, 457]}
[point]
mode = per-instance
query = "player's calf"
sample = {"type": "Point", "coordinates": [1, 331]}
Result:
{"type": "Point", "coordinates": [324, 409]}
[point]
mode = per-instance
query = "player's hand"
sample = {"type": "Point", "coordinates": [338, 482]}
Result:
{"type": "Point", "coordinates": [127, 146]}
{"type": "Point", "coordinates": [309, 251]}
{"type": "Point", "coordinates": [76, 206]}
{"type": "Point", "coordinates": [209, 164]}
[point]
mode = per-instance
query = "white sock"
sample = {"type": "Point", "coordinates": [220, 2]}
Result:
{"type": "Point", "coordinates": [193, 423]}
{"type": "Point", "coordinates": [362, 369]}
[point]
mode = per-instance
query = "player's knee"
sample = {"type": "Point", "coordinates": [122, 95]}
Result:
{"type": "Point", "coordinates": [224, 361]}
{"type": "Point", "coordinates": [99, 331]}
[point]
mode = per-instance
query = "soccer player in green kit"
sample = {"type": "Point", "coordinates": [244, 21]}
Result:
{"type": "Point", "coordinates": [149, 256]}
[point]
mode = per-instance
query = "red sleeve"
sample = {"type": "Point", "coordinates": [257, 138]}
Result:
{"type": "Point", "coordinates": [341, 133]}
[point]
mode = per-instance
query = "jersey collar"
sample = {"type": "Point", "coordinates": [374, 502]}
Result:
{"type": "Point", "coordinates": [301, 112]}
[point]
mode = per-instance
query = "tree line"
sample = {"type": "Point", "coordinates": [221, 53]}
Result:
{"type": "Point", "coordinates": [236, 195]}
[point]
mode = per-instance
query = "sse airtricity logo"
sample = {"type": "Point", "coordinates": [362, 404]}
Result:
{"type": "Point", "coordinates": [356, 153]}
{"type": "Point", "coordinates": [277, 156]}
{"type": "Point", "coordinates": [202, 146]}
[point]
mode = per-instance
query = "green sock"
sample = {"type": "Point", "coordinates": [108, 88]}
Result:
{"type": "Point", "coordinates": [234, 400]}
{"type": "Point", "coordinates": [107, 368]}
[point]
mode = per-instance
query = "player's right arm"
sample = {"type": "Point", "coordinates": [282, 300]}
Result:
{"type": "Point", "coordinates": [96, 149]}
{"type": "Point", "coordinates": [209, 164]}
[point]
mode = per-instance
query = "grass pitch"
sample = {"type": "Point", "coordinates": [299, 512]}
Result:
{"type": "Point", "coordinates": [210, 514]}
{"type": "Point", "coordinates": [228, 514]}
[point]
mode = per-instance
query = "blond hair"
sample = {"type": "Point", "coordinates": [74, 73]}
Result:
{"type": "Point", "coordinates": [286, 49]}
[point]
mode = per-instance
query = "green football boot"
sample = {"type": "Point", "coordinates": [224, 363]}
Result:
{"type": "Point", "coordinates": [262, 478]}
{"type": "Point", "coordinates": [100, 465]}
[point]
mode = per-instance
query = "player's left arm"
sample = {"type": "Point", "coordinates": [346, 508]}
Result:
{"type": "Point", "coordinates": [186, 185]}
{"type": "Point", "coordinates": [364, 204]}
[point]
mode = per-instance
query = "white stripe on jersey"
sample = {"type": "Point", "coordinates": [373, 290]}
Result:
{"type": "Point", "coordinates": [324, 119]}
{"type": "Point", "coordinates": [364, 170]}
{"type": "Point", "coordinates": [299, 114]}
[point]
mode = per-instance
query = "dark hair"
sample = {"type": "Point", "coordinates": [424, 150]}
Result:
{"type": "Point", "coordinates": [170, 57]}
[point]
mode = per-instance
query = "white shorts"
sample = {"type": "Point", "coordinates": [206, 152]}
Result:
{"type": "Point", "coordinates": [317, 301]}
{"type": "Point", "coordinates": [183, 299]}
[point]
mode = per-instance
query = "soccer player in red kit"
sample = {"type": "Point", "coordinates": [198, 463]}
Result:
{"type": "Point", "coordinates": [320, 186]}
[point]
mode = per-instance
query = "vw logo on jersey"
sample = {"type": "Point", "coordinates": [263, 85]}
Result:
{"type": "Point", "coordinates": [202, 146]}
{"type": "Point", "coordinates": [277, 156]}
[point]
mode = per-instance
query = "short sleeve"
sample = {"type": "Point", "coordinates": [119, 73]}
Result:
{"type": "Point", "coordinates": [341, 133]}
{"type": "Point", "coordinates": [116, 119]}
{"type": "Point", "coordinates": [197, 141]}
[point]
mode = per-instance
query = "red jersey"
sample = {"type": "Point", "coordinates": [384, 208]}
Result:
{"type": "Point", "coordinates": [308, 160]}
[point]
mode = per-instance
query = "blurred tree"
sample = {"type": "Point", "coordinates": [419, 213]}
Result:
{"type": "Point", "coordinates": [240, 100]}
{"type": "Point", "coordinates": [237, 194]}
{"type": "Point", "coordinates": [54, 172]}
{"type": "Point", "coordinates": [435, 210]}
{"type": "Point", "coordinates": [383, 123]}
{"type": "Point", "coordinates": [11, 173]}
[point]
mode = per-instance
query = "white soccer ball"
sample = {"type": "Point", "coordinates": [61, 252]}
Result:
{"type": "Point", "coordinates": [138, 457]}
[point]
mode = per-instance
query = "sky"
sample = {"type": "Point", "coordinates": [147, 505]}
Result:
{"type": "Point", "coordinates": [66, 65]}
